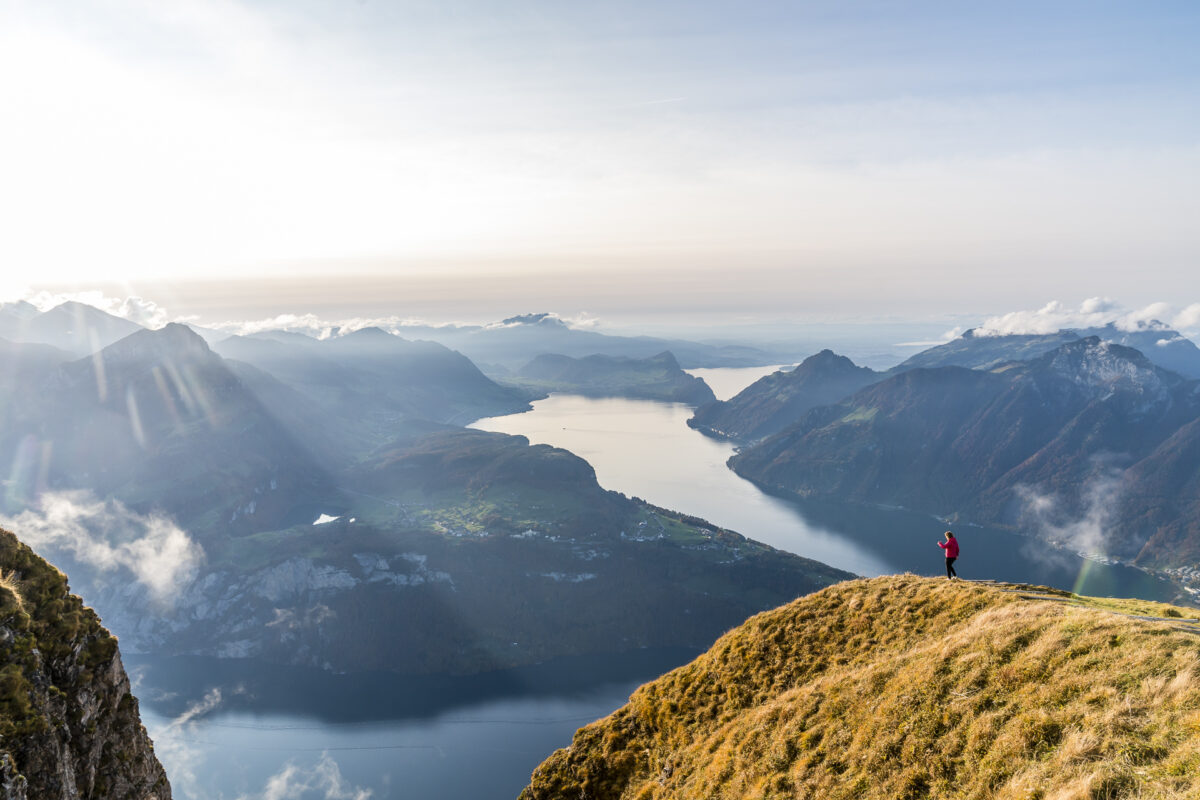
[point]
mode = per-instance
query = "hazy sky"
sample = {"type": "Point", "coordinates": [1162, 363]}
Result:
{"type": "Point", "coordinates": [833, 158]}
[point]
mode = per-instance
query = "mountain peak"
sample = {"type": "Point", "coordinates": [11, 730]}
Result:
{"type": "Point", "coordinates": [1104, 366]}
{"type": "Point", "coordinates": [370, 333]}
{"type": "Point", "coordinates": [174, 340]}
{"type": "Point", "coordinates": [826, 361]}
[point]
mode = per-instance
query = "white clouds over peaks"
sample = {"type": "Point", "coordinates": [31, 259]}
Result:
{"type": "Point", "coordinates": [146, 313]}
{"type": "Point", "coordinates": [1095, 312]}
{"type": "Point", "coordinates": [109, 537]}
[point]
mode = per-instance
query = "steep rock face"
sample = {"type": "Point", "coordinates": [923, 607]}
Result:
{"type": "Point", "coordinates": [69, 726]}
{"type": "Point", "coordinates": [780, 399]}
{"type": "Point", "coordinates": [906, 687]}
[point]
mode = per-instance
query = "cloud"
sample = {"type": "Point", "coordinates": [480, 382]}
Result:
{"type": "Point", "coordinates": [1095, 312]}
{"type": "Point", "coordinates": [321, 328]}
{"type": "Point", "coordinates": [146, 313]}
{"type": "Point", "coordinates": [110, 537]}
{"type": "Point", "coordinates": [947, 337]}
{"type": "Point", "coordinates": [322, 781]}
{"type": "Point", "coordinates": [186, 760]}
{"type": "Point", "coordinates": [1086, 532]}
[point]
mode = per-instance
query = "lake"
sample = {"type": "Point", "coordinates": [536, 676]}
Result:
{"type": "Point", "coordinates": [645, 449]}
{"type": "Point", "coordinates": [236, 730]}
{"type": "Point", "coordinates": [233, 729]}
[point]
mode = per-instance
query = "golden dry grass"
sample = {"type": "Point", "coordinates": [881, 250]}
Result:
{"type": "Point", "coordinates": [9, 582]}
{"type": "Point", "coordinates": [906, 687]}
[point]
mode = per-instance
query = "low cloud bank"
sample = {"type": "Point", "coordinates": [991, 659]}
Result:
{"type": "Point", "coordinates": [110, 537]}
{"type": "Point", "coordinates": [1095, 312]}
{"type": "Point", "coordinates": [320, 328]}
{"type": "Point", "coordinates": [1088, 530]}
{"type": "Point", "coordinates": [146, 313]}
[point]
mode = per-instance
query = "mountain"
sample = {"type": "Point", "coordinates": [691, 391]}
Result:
{"type": "Point", "coordinates": [1041, 437]}
{"type": "Point", "coordinates": [1160, 495]}
{"type": "Point", "coordinates": [315, 538]}
{"type": "Point", "coordinates": [375, 378]}
{"type": "Point", "coordinates": [69, 725]}
{"type": "Point", "coordinates": [905, 687]}
{"type": "Point", "coordinates": [1163, 346]}
{"type": "Point", "coordinates": [464, 552]}
{"type": "Point", "coordinates": [976, 351]}
{"type": "Point", "coordinates": [514, 341]}
{"type": "Point", "coordinates": [1167, 348]}
{"type": "Point", "coordinates": [77, 328]}
{"type": "Point", "coordinates": [780, 399]}
{"type": "Point", "coordinates": [655, 378]}
{"type": "Point", "coordinates": [162, 423]}
{"type": "Point", "coordinates": [14, 316]}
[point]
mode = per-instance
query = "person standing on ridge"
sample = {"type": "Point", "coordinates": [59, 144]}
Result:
{"type": "Point", "coordinates": [951, 548]}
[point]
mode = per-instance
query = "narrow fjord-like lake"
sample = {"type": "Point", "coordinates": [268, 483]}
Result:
{"type": "Point", "coordinates": [241, 731]}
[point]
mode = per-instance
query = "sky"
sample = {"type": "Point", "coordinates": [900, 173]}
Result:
{"type": "Point", "coordinates": [467, 159]}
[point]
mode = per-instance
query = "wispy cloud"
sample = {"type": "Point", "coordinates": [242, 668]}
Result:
{"type": "Point", "coordinates": [320, 327]}
{"type": "Point", "coordinates": [1088, 530]}
{"type": "Point", "coordinates": [1094, 312]}
{"type": "Point", "coordinates": [322, 781]}
{"type": "Point", "coordinates": [110, 537]}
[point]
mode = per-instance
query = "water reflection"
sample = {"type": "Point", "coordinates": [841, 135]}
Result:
{"type": "Point", "coordinates": [645, 449]}
{"type": "Point", "coordinates": [242, 729]}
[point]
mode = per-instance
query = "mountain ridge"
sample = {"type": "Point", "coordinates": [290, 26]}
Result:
{"type": "Point", "coordinates": [906, 687]}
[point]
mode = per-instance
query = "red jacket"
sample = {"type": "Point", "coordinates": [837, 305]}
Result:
{"type": "Point", "coordinates": [951, 548]}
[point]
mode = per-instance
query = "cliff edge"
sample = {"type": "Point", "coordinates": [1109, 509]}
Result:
{"type": "Point", "coordinates": [69, 726]}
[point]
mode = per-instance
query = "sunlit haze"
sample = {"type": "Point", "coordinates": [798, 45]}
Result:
{"type": "Point", "coordinates": [760, 161]}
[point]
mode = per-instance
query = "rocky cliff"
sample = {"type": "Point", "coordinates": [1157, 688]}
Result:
{"type": "Point", "coordinates": [69, 726]}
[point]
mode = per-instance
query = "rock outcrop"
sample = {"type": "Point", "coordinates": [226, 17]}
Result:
{"type": "Point", "coordinates": [69, 725]}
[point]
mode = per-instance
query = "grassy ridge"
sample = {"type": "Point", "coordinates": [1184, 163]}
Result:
{"type": "Point", "coordinates": [905, 687]}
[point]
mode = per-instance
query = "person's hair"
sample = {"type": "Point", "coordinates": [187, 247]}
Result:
{"type": "Point", "coordinates": [950, 534]}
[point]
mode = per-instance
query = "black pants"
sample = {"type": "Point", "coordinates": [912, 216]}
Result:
{"type": "Point", "coordinates": [950, 573]}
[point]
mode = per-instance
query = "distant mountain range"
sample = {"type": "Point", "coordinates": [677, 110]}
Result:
{"type": "Point", "coordinates": [782, 398]}
{"type": "Point", "coordinates": [1088, 431]}
{"type": "Point", "coordinates": [345, 521]}
{"type": "Point", "coordinates": [77, 328]}
{"type": "Point", "coordinates": [656, 378]}
{"type": "Point", "coordinates": [514, 341]}
{"type": "Point", "coordinates": [1161, 345]}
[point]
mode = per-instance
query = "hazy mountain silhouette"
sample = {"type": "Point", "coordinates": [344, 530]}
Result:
{"type": "Point", "coordinates": [514, 341]}
{"type": "Point", "coordinates": [74, 327]}
{"type": "Point", "coordinates": [780, 399]}
{"type": "Point", "coordinates": [1160, 344]}
{"type": "Point", "coordinates": [656, 378]}
{"type": "Point", "coordinates": [978, 442]}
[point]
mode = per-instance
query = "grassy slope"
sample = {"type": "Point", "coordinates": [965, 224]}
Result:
{"type": "Point", "coordinates": [905, 687]}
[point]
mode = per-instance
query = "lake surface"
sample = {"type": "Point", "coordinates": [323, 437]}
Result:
{"type": "Point", "coordinates": [233, 730]}
{"type": "Point", "coordinates": [725, 382]}
{"type": "Point", "coordinates": [645, 449]}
